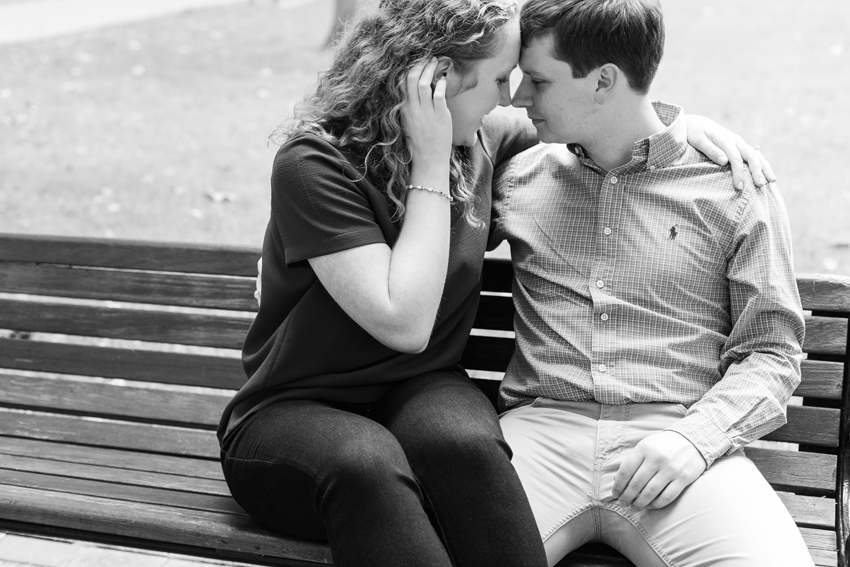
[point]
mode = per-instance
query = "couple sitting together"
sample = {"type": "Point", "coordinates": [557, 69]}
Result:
{"type": "Point", "coordinates": [658, 325]}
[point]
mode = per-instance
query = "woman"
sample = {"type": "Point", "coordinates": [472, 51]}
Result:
{"type": "Point", "coordinates": [357, 425]}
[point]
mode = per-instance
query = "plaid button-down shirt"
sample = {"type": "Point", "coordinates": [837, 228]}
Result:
{"type": "Point", "coordinates": [656, 281]}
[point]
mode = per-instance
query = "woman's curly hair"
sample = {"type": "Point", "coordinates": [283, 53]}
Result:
{"type": "Point", "coordinates": [359, 100]}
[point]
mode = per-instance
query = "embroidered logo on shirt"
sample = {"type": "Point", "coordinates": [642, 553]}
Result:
{"type": "Point", "coordinates": [673, 232]}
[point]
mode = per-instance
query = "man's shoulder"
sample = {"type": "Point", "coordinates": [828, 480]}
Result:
{"type": "Point", "coordinates": [543, 158]}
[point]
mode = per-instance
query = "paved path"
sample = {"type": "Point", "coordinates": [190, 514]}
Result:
{"type": "Point", "coordinates": [35, 19]}
{"type": "Point", "coordinates": [25, 551]}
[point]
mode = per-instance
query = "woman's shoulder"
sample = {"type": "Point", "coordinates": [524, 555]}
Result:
{"type": "Point", "coordinates": [311, 154]}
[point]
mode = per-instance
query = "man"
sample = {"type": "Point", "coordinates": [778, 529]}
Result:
{"type": "Point", "coordinates": [658, 323]}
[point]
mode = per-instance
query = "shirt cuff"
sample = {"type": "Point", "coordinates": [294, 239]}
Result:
{"type": "Point", "coordinates": [709, 440]}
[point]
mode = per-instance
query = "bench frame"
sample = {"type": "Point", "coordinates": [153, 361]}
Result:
{"type": "Point", "coordinates": [105, 438]}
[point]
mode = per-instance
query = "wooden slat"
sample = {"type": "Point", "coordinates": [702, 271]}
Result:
{"type": "Point", "coordinates": [229, 532]}
{"type": "Point", "coordinates": [110, 433]}
{"type": "Point", "coordinates": [821, 544]}
{"type": "Point", "coordinates": [496, 313]}
{"type": "Point", "coordinates": [796, 471]}
{"type": "Point", "coordinates": [210, 292]}
{"type": "Point", "coordinates": [487, 353]}
{"type": "Point", "coordinates": [825, 335]}
{"type": "Point", "coordinates": [122, 492]}
{"type": "Point", "coordinates": [154, 326]}
{"type": "Point", "coordinates": [107, 399]}
{"type": "Point", "coordinates": [97, 252]}
{"type": "Point", "coordinates": [821, 379]}
{"type": "Point", "coordinates": [106, 474]}
{"type": "Point", "coordinates": [809, 425]}
{"type": "Point", "coordinates": [119, 458]}
{"type": "Point", "coordinates": [824, 292]}
{"type": "Point", "coordinates": [497, 275]}
{"type": "Point", "coordinates": [595, 555]}
{"type": "Point", "coordinates": [810, 511]}
{"type": "Point", "coordinates": [129, 364]}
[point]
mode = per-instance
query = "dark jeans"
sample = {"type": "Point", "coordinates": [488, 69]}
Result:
{"type": "Point", "coordinates": [422, 477]}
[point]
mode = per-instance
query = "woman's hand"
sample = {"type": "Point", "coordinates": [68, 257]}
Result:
{"type": "Point", "coordinates": [426, 118]}
{"type": "Point", "coordinates": [723, 146]}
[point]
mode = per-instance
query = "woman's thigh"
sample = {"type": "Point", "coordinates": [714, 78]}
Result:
{"type": "Point", "coordinates": [298, 466]}
{"type": "Point", "coordinates": [451, 435]}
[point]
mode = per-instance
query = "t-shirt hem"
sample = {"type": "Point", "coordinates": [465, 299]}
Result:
{"type": "Point", "coordinates": [333, 244]}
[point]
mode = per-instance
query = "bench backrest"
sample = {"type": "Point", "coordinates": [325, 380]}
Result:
{"type": "Point", "coordinates": [145, 334]}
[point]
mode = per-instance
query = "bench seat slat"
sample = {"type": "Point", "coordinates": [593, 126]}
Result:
{"type": "Point", "coordinates": [487, 353]}
{"type": "Point", "coordinates": [110, 433]}
{"type": "Point", "coordinates": [822, 292]}
{"type": "Point", "coordinates": [825, 335]}
{"type": "Point", "coordinates": [165, 257]}
{"type": "Point", "coordinates": [821, 379]}
{"type": "Point", "coordinates": [209, 292]}
{"type": "Point", "coordinates": [97, 398]}
{"type": "Point", "coordinates": [215, 530]}
{"type": "Point", "coordinates": [124, 492]}
{"type": "Point", "coordinates": [128, 364]}
{"type": "Point", "coordinates": [810, 511]}
{"type": "Point", "coordinates": [809, 425]}
{"type": "Point", "coordinates": [129, 324]}
{"type": "Point", "coordinates": [796, 471]}
{"type": "Point", "coordinates": [112, 475]}
{"type": "Point", "coordinates": [821, 544]}
{"type": "Point", "coordinates": [119, 458]}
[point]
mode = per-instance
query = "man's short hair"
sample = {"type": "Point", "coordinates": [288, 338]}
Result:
{"type": "Point", "coordinates": [590, 33]}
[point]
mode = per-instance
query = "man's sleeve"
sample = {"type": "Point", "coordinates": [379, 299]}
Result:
{"type": "Point", "coordinates": [760, 362]}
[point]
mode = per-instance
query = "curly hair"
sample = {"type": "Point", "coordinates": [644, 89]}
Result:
{"type": "Point", "coordinates": [359, 100]}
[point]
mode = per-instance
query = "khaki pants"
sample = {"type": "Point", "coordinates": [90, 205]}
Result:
{"type": "Point", "coordinates": [567, 455]}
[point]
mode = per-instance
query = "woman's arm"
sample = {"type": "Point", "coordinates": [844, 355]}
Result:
{"type": "Point", "coordinates": [394, 293]}
{"type": "Point", "coordinates": [723, 146]}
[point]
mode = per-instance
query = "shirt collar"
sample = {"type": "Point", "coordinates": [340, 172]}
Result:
{"type": "Point", "coordinates": [658, 150]}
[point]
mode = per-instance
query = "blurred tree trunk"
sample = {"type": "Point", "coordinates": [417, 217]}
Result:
{"type": "Point", "coordinates": [344, 9]}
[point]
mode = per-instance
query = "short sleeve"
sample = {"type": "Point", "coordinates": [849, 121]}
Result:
{"type": "Point", "coordinates": [320, 203]}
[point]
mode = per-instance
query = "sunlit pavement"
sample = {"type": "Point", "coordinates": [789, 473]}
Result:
{"type": "Point", "coordinates": [25, 20]}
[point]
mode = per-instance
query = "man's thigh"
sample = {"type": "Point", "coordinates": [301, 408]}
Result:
{"type": "Point", "coordinates": [553, 454]}
{"type": "Point", "coordinates": [730, 516]}
{"type": "Point", "coordinates": [567, 460]}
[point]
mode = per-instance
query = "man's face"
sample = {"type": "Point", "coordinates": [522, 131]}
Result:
{"type": "Point", "coordinates": [562, 108]}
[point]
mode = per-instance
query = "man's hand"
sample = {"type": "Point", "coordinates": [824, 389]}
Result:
{"type": "Point", "coordinates": [657, 470]}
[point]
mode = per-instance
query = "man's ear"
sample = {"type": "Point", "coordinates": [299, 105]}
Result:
{"type": "Point", "coordinates": [607, 79]}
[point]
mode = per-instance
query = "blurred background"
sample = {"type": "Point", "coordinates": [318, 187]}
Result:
{"type": "Point", "coordinates": [148, 119]}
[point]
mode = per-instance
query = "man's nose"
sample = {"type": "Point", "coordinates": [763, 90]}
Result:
{"type": "Point", "coordinates": [521, 98]}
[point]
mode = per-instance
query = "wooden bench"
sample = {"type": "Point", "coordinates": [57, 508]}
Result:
{"type": "Point", "coordinates": [115, 365]}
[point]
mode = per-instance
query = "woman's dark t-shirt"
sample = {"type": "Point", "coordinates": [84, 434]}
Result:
{"type": "Point", "coordinates": [302, 345]}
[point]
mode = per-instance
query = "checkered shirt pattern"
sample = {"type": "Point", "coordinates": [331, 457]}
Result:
{"type": "Point", "coordinates": [656, 281]}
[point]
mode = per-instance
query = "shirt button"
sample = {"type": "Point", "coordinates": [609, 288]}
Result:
{"type": "Point", "coordinates": [651, 168]}
{"type": "Point", "coordinates": [604, 316]}
{"type": "Point", "coordinates": [607, 231]}
{"type": "Point", "coordinates": [614, 180]}
{"type": "Point", "coordinates": [600, 284]}
{"type": "Point", "coordinates": [602, 368]}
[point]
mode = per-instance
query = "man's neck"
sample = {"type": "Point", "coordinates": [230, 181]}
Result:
{"type": "Point", "coordinates": [620, 130]}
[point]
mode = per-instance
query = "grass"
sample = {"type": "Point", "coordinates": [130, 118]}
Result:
{"type": "Point", "coordinates": [157, 130]}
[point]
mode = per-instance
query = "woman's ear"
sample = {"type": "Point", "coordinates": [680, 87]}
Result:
{"type": "Point", "coordinates": [448, 69]}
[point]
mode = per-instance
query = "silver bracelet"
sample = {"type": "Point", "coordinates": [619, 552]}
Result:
{"type": "Point", "coordinates": [430, 190]}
